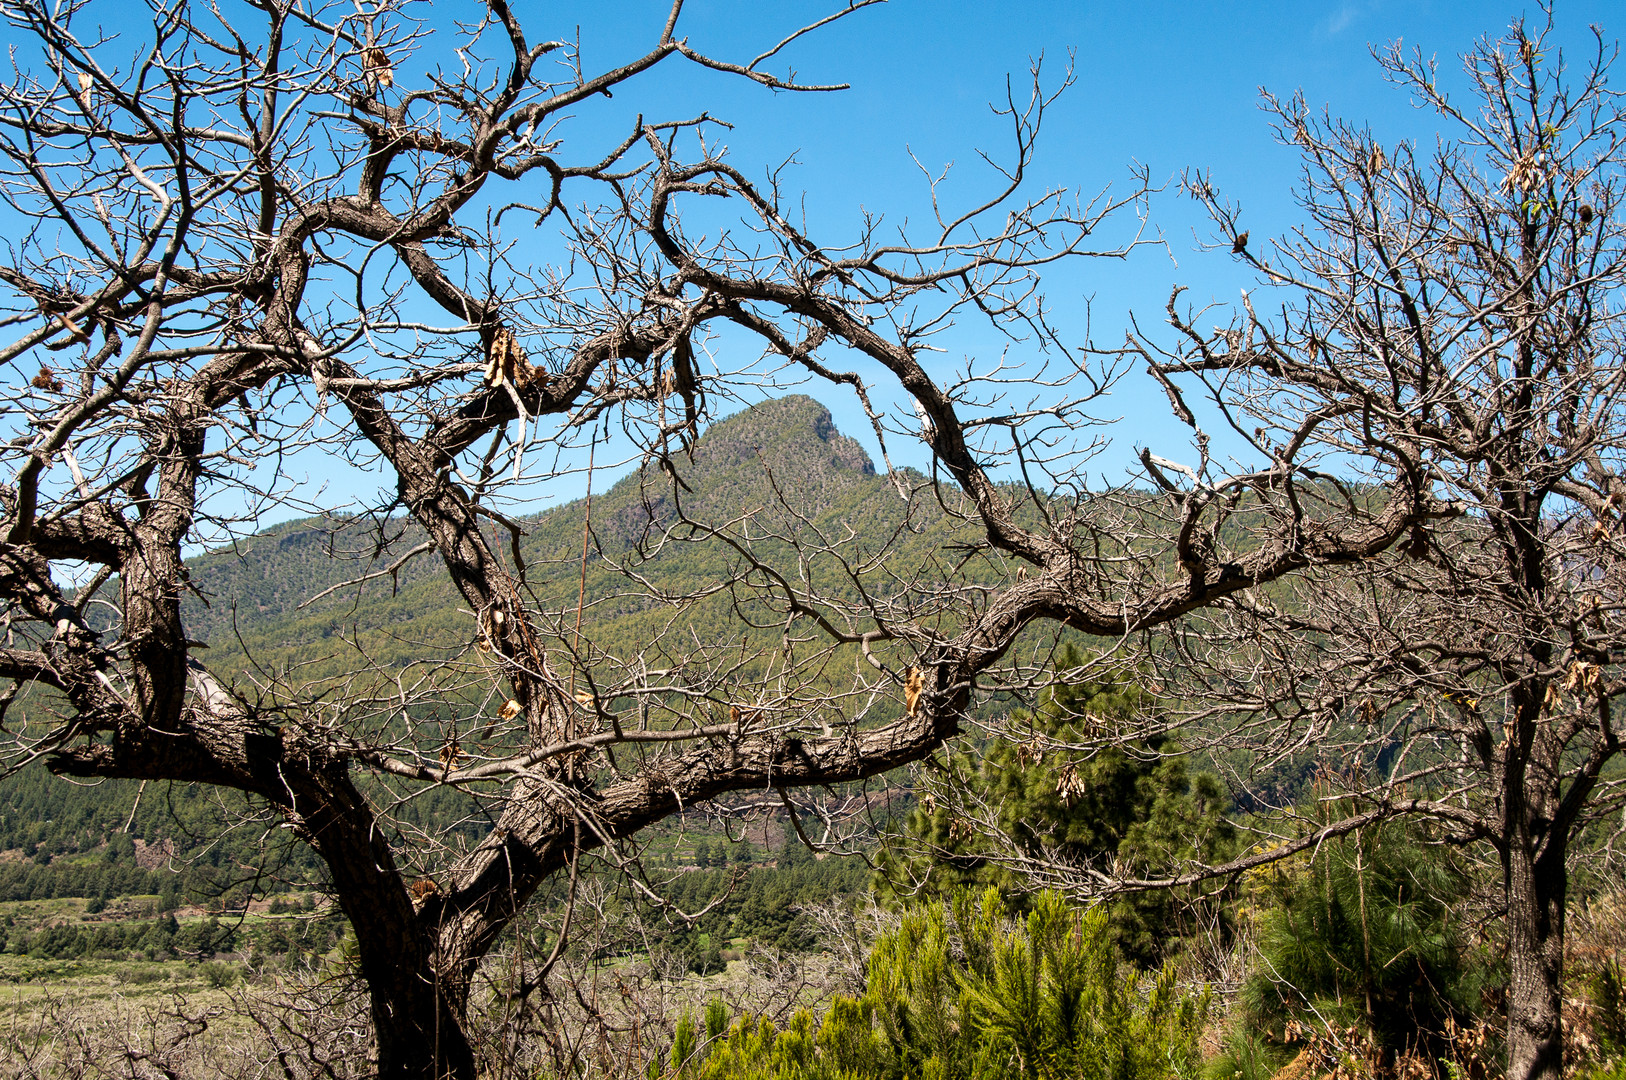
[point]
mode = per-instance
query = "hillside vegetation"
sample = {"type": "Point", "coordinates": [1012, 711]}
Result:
{"type": "Point", "coordinates": [274, 609]}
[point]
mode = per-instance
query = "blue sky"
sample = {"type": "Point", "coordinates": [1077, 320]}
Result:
{"type": "Point", "coordinates": [1168, 85]}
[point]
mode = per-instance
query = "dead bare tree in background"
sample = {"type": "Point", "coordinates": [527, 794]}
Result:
{"type": "Point", "coordinates": [1448, 318]}
{"type": "Point", "coordinates": [265, 228]}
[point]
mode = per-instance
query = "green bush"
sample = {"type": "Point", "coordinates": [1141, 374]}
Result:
{"type": "Point", "coordinates": [684, 1045]}
{"type": "Point", "coordinates": [1245, 1055]}
{"type": "Point", "coordinates": [218, 975]}
{"type": "Point", "coordinates": [1368, 935]}
{"type": "Point", "coordinates": [971, 993]}
{"type": "Point", "coordinates": [1615, 1070]}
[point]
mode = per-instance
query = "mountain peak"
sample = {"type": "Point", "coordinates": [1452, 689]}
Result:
{"type": "Point", "coordinates": [778, 453]}
{"type": "Point", "coordinates": [788, 435]}
{"type": "Point", "coordinates": [784, 449]}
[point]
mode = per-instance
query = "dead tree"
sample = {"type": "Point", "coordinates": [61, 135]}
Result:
{"type": "Point", "coordinates": [273, 229]}
{"type": "Point", "coordinates": [1449, 319]}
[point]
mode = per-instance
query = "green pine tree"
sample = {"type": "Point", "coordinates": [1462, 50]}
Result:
{"type": "Point", "coordinates": [971, 991]}
{"type": "Point", "coordinates": [1137, 807]}
{"type": "Point", "coordinates": [1370, 931]}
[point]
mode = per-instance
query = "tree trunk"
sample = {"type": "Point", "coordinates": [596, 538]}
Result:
{"type": "Point", "coordinates": [417, 1023]}
{"type": "Point", "coordinates": [419, 1036]}
{"type": "Point", "coordinates": [1535, 890]}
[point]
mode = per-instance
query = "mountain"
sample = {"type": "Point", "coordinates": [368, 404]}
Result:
{"type": "Point", "coordinates": [282, 625]}
{"type": "Point", "coordinates": [274, 606]}
{"type": "Point", "coordinates": [269, 611]}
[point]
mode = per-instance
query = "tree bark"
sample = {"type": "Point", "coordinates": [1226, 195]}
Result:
{"type": "Point", "coordinates": [1535, 890]}
{"type": "Point", "coordinates": [417, 1024]}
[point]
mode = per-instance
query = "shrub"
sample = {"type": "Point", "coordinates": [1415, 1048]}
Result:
{"type": "Point", "coordinates": [1366, 937]}
{"type": "Point", "coordinates": [219, 975]}
{"type": "Point", "coordinates": [971, 993]}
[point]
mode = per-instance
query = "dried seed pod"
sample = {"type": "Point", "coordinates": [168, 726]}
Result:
{"type": "Point", "coordinates": [1583, 678]}
{"type": "Point", "coordinates": [506, 362]}
{"type": "Point", "coordinates": [1069, 785]}
{"type": "Point", "coordinates": [46, 380]}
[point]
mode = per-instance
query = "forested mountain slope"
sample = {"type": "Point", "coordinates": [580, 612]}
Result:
{"type": "Point", "coordinates": [260, 606]}
{"type": "Point", "coordinates": [275, 608]}
{"type": "Point", "coordinates": [254, 602]}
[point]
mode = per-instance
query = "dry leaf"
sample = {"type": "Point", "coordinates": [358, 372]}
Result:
{"type": "Point", "coordinates": [377, 64]}
{"type": "Point", "coordinates": [913, 687]}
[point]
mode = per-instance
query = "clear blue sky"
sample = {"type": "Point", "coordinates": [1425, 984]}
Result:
{"type": "Point", "coordinates": [1168, 85]}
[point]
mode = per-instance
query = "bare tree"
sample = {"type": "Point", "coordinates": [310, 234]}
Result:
{"type": "Point", "coordinates": [270, 228]}
{"type": "Point", "coordinates": [1448, 319]}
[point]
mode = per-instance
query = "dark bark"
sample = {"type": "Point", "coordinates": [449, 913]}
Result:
{"type": "Point", "coordinates": [1536, 894]}
{"type": "Point", "coordinates": [216, 741]}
